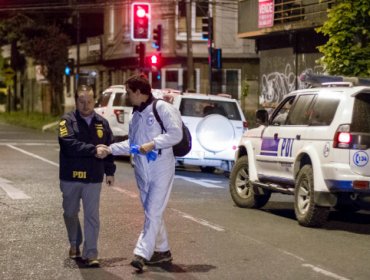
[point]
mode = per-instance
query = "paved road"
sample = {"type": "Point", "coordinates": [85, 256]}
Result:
{"type": "Point", "coordinates": [210, 237]}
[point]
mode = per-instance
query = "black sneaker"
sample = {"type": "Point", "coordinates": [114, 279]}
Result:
{"type": "Point", "coordinates": [160, 257]}
{"type": "Point", "coordinates": [92, 262]}
{"type": "Point", "coordinates": [74, 253]}
{"type": "Point", "coordinates": [139, 263]}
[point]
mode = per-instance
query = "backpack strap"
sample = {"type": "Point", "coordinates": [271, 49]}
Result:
{"type": "Point", "coordinates": [156, 115]}
{"type": "Point", "coordinates": [158, 118]}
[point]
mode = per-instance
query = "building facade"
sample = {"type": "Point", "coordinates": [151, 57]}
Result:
{"type": "Point", "coordinates": [111, 58]}
{"type": "Point", "coordinates": [286, 40]}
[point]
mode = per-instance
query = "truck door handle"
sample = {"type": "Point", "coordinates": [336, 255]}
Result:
{"type": "Point", "coordinates": [276, 136]}
{"type": "Point", "coordinates": [298, 137]}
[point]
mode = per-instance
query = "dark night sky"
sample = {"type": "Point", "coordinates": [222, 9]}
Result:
{"type": "Point", "coordinates": [57, 11]}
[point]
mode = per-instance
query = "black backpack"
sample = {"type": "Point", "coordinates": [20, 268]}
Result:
{"type": "Point", "coordinates": [184, 146]}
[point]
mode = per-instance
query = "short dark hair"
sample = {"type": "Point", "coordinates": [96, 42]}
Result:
{"type": "Point", "coordinates": [139, 82]}
{"type": "Point", "coordinates": [82, 89]}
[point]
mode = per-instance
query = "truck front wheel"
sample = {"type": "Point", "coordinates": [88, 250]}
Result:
{"type": "Point", "coordinates": [242, 190]}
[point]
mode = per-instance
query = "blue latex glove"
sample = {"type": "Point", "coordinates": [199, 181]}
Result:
{"type": "Point", "coordinates": [152, 155]}
{"type": "Point", "coordinates": [135, 149]}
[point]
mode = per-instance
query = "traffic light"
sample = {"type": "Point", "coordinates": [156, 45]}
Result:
{"type": "Point", "coordinates": [154, 61]}
{"type": "Point", "coordinates": [157, 37]}
{"type": "Point", "coordinates": [69, 68]}
{"type": "Point", "coordinates": [140, 21]}
{"type": "Point", "coordinates": [207, 28]}
{"type": "Point", "coordinates": [216, 60]}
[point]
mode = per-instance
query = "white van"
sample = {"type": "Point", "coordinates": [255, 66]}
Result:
{"type": "Point", "coordinates": [216, 124]}
{"type": "Point", "coordinates": [113, 105]}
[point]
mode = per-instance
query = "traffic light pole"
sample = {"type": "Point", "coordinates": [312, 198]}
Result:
{"type": "Point", "coordinates": [190, 63]}
{"type": "Point", "coordinates": [210, 50]}
{"type": "Point", "coordinates": [141, 52]}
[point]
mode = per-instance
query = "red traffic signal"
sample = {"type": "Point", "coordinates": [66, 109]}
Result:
{"type": "Point", "coordinates": [154, 59]}
{"type": "Point", "coordinates": [140, 21]}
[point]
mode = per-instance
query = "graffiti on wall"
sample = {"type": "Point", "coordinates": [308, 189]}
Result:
{"type": "Point", "coordinates": [275, 85]}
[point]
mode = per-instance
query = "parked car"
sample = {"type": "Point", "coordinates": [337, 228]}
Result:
{"type": "Point", "coordinates": [315, 146]}
{"type": "Point", "coordinates": [113, 105]}
{"type": "Point", "coordinates": [216, 125]}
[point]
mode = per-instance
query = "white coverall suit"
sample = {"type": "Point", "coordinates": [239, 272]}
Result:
{"type": "Point", "coordinates": [154, 178]}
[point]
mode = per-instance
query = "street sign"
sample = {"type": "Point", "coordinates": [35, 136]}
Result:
{"type": "Point", "coordinates": [8, 74]}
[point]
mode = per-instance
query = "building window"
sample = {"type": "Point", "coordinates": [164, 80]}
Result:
{"type": "Point", "coordinates": [196, 78]}
{"type": "Point", "coordinates": [175, 78]}
{"type": "Point", "coordinates": [227, 81]}
{"type": "Point", "coordinates": [172, 79]}
{"type": "Point", "coordinates": [198, 11]}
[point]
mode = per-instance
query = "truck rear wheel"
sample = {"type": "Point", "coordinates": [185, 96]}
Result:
{"type": "Point", "coordinates": [241, 189]}
{"type": "Point", "coordinates": [307, 213]}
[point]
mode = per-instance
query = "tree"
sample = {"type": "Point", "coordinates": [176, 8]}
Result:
{"type": "Point", "coordinates": [46, 44]}
{"type": "Point", "coordinates": [347, 51]}
{"type": "Point", "coordinates": [10, 33]}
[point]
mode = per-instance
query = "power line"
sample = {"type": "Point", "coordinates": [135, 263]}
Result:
{"type": "Point", "coordinates": [226, 4]}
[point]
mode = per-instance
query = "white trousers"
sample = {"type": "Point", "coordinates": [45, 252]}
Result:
{"type": "Point", "coordinates": [155, 180]}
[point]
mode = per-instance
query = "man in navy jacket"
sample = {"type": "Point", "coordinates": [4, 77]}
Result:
{"type": "Point", "coordinates": [81, 172]}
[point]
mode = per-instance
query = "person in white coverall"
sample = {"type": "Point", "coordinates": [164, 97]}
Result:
{"type": "Point", "coordinates": [154, 178]}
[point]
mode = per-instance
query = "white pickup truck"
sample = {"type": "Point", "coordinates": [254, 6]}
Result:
{"type": "Point", "coordinates": [315, 146]}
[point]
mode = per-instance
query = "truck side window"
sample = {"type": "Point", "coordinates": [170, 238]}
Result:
{"type": "Point", "coordinates": [323, 111]}
{"type": "Point", "coordinates": [280, 115]}
{"type": "Point", "coordinates": [300, 114]}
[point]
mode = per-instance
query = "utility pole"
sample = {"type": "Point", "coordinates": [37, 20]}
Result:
{"type": "Point", "coordinates": [76, 13]}
{"type": "Point", "coordinates": [189, 43]}
{"type": "Point", "coordinates": [78, 48]}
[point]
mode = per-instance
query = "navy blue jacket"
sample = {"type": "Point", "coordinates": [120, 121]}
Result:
{"type": "Point", "coordinates": [78, 142]}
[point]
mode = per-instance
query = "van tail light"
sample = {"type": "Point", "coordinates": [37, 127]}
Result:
{"type": "Point", "coordinates": [245, 125]}
{"type": "Point", "coordinates": [119, 115]}
{"type": "Point", "coordinates": [342, 137]}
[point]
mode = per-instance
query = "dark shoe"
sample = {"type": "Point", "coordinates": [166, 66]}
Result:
{"type": "Point", "coordinates": [160, 257]}
{"type": "Point", "coordinates": [74, 252]}
{"type": "Point", "coordinates": [139, 263]}
{"type": "Point", "coordinates": [92, 262]}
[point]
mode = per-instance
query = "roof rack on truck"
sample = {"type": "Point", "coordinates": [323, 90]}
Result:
{"type": "Point", "coordinates": [319, 80]}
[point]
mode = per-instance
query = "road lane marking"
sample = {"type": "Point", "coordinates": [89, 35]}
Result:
{"type": "Point", "coordinates": [198, 220]}
{"type": "Point", "coordinates": [203, 183]}
{"type": "Point", "coordinates": [212, 181]}
{"type": "Point", "coordinates": [292, 255]}
{"type": "Point", "coordinates": [313, 267]}
{"type": "Point", "coordinates": [11, 191]}
{"type": "Point", "coordinates": [33, 155]}
{"type": "Point", "coordinates": [2, 143]}
{"type": "Point", "coordinates": [325, 272]}
{"type": "Point", "coordinates": [130, 194]}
